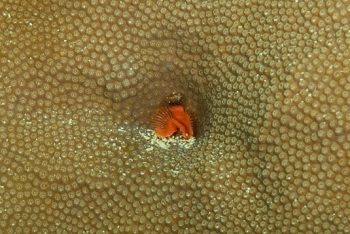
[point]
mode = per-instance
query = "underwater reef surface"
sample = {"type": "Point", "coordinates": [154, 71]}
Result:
{"type": "Point", "coordinates": [267, 86]}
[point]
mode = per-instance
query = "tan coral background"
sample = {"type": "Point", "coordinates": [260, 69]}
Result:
{"type": "Point", "coordinates": [266, 81]}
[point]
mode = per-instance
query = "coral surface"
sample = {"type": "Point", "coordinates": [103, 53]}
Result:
{"type": "Point", "coordinates": [267, 83]}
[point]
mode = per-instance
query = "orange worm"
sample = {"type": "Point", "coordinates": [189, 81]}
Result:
{"type": "Point", "coordinates": [172, 119]}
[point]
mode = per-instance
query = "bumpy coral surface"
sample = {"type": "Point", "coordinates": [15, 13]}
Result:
{"type": "Point", "coordinates": [267, 83]}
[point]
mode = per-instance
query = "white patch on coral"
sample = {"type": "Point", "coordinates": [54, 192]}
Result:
{"type": "Point", "coordinates": [166, 142]}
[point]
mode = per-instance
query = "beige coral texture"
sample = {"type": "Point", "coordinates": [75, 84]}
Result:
{"type": "Point", "coordinates": [266, 82]}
